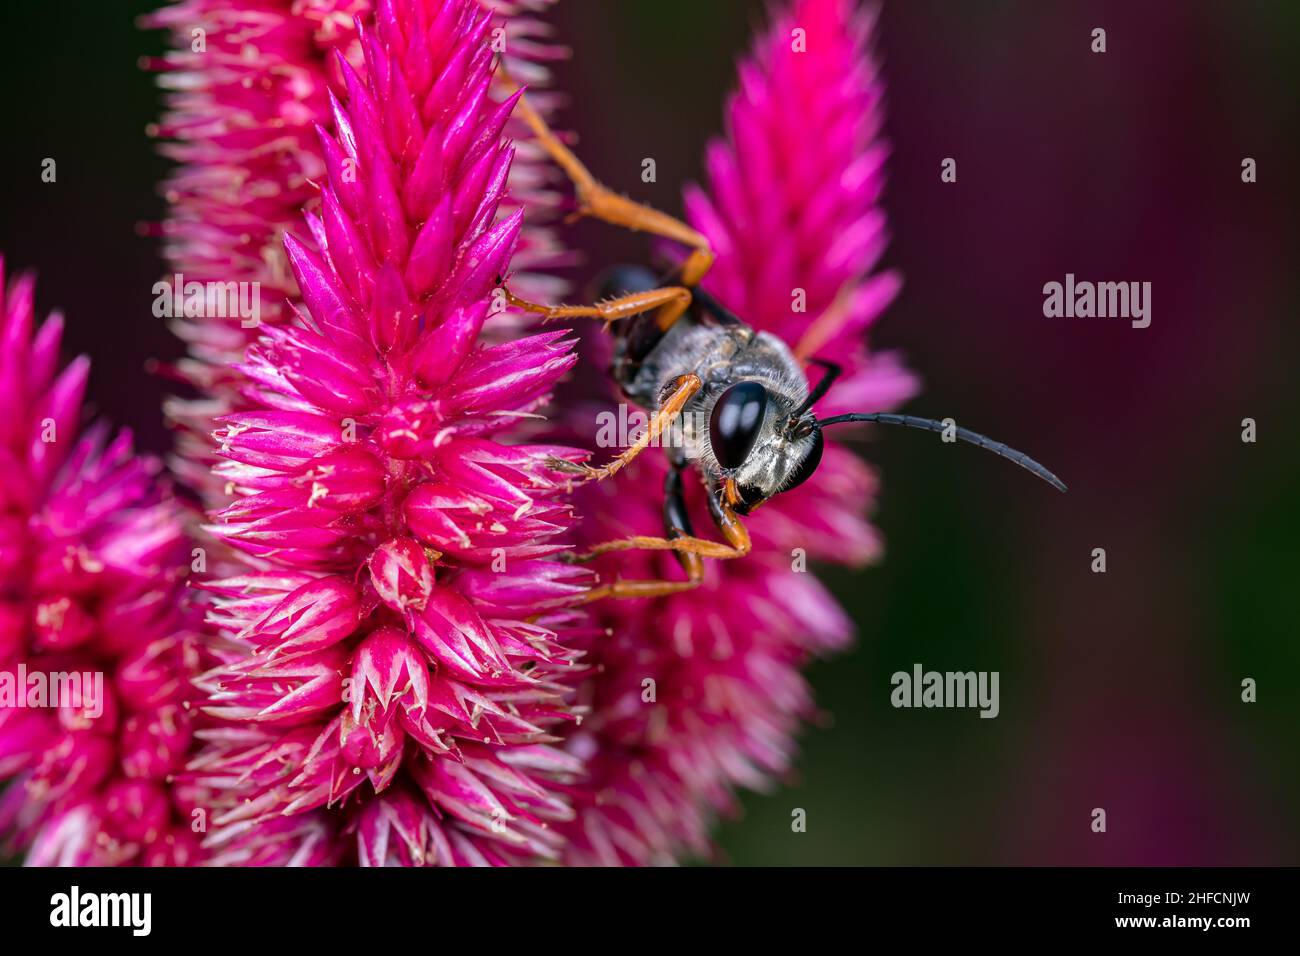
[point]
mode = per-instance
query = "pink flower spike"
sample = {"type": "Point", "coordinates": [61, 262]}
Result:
{"type": "Point", "coordinates": [96, 652]}
{"type": "Point", "coordinates": [726, 658]}
{"type": "Point", "coordinates": [369, 472]}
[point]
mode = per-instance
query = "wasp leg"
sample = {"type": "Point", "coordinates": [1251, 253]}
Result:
{"type": "Point", "coordinates": [683, 390]}
{"type": "Point", "coordinates": [672, 299]}
{"type": "Point", "coordinates": [625, 590]}
{"type": "Point", "coordinates": [728, 524]}
{"type": "Point", "coordinates": [677, 524]}
{"type": "Point", "coordinates": [600, 202]}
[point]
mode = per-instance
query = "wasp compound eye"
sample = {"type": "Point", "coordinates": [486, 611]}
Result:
{"type": "Point", "coordinates": [734, 424]}
{"type": "Point", "coordinates": [809, 463]}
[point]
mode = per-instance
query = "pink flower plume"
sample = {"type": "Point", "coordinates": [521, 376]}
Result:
{"type": "Point", "coordinates": [792, 213]}
{"type": "Point", "coordinates": [93, 556]}
{"type": "Point", "coordinates": [398, 666]}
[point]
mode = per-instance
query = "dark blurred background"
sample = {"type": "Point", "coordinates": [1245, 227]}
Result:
{"type": "Point", "coordinates": [1119, 690]}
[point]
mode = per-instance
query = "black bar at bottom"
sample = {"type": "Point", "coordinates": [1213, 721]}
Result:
{"type": "Point", "coordinates": [282, 908]}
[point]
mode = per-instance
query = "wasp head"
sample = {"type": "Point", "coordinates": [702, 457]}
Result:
{"type": "Point", "coordinates": [763, 442]}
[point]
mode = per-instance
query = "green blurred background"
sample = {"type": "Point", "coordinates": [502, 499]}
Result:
{"type": "Point", "coordinates": [1121, 690]}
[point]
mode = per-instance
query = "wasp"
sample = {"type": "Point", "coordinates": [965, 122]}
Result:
{"type": "Point", "coordinates": [742, 396]}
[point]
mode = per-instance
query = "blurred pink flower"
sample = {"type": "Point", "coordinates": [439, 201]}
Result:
{"type": "Point", "coordinates": [792, 208]}
{"type": "Point", "coordinates": [394, 666]}
{"type": "Point", "coordinates": [92, 559]}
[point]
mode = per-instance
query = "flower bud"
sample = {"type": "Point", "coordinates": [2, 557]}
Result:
{"type": "Point", "coordinates": [401, 574]}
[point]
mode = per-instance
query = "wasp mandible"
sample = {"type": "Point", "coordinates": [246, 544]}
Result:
{"type": "Point", "coordinates": [680, 354]}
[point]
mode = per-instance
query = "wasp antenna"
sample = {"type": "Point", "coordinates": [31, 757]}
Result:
{"type": "Point", "coordinates": [833, 371]}
{"type": "Point", "coordinates": [965, 434]}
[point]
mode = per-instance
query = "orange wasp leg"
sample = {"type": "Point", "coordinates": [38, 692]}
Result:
{"type": "Point", "coordinates": [600, 202]}
{"type": "Point", "coordinates": [675, 297]}
{"type": "Point", "coordinates": [622, 590]}
{"type": "Point", "coordinates": [683, 390]}
{"type": "Point", "coordinates": [691, 551]}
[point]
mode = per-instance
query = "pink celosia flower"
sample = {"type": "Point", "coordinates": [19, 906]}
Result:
{"type": "Point", "coordinates": [247, 83]}
{"type": "Point", "coordinates": [393, 666]}
{"type": "Point", "coordinates": [92, 559]}
{"type": "Point", "coordinates": [782, 216]}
